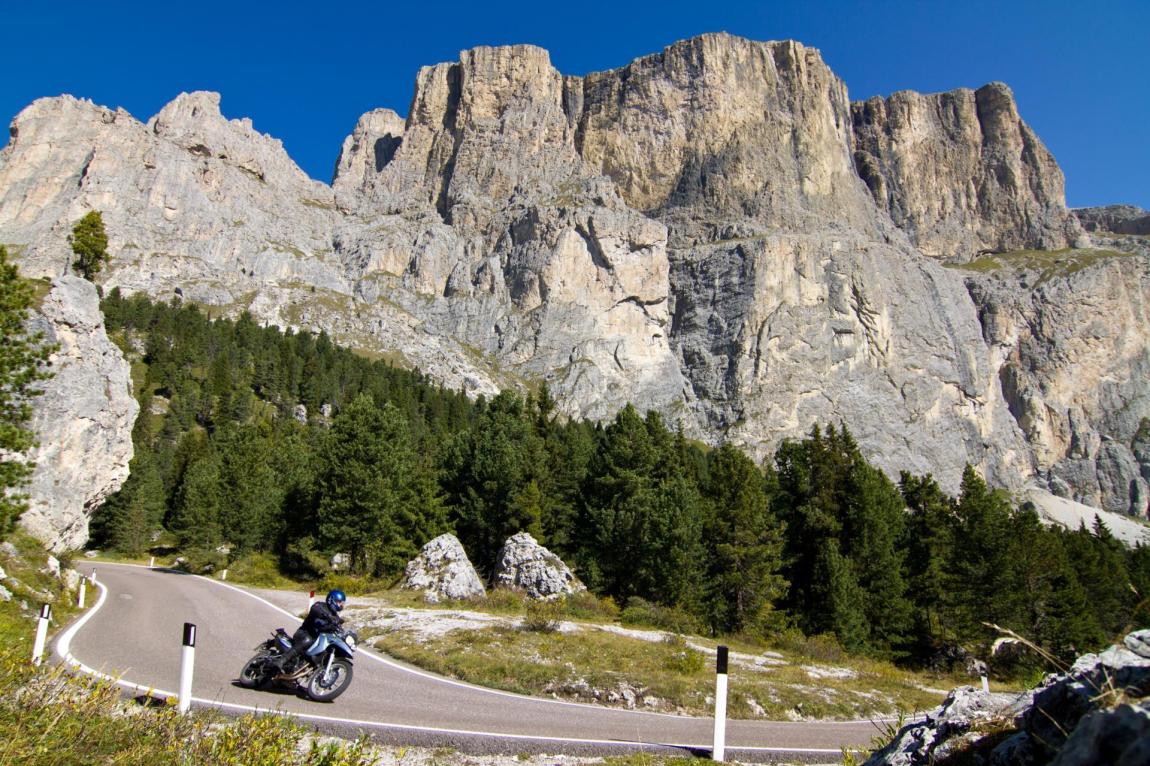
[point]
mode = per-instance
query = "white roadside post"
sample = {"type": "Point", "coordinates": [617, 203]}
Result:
{"type": "Point", "coordinates": [83, 594]}
{"type": "Point", "coordinates": [187, 663]}
{"type": "Point", "coordinates": [41, 634]}
{"type": "Point", "coordinates": [224, 575]}
{"type": "Point", "coordinates": [152, 562]}
{"type": "Point", "coordinates": [310, 600]}
{"type": "Point", "coordinates": [985, 685]}
{"type": "Point", "coordinates": [718, 751]}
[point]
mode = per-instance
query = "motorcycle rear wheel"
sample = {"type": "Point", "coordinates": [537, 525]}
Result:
{"type": "Point", "coordinates": [257, 672]}
{"type": "Point", "coordinates": [325, 687]}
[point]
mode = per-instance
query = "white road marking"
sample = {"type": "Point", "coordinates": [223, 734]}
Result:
{"type": "Point", "coordinates": [63, 650]}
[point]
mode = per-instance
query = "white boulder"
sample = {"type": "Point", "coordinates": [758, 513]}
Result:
{"type": "Point", "coordinates": [526, 565]}
{"type": "Point", "coordinates": [443, 572]}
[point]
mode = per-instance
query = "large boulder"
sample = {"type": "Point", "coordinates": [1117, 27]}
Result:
{"type": "Point", "coordinates": [526, 565]}
{"type": "Point", "coordinates": [443, 572]}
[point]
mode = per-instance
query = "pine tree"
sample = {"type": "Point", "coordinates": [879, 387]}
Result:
{"type": "Point", "coordinates": [196, 519]}
{"type": "Point", "coordinates": [376, 499]}
{"type": "Point", "coordinates": [90, 244]}
{"type": "Point", "coordinates": [126, 521]}
{"type": "Point", "coordinates": [642, 517]}
{"type": "Point", "coordinates": [745, 540]}
{"type": "Point", "coordinates": [487, 472]}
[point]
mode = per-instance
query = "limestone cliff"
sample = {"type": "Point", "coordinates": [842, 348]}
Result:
{"type": "Point", "coordinates": [83, 420]}
{"type": "Point", "coordinates": [961, 172]}
{"type": "Point", "coordinates": [1069, 337]}
{"type": "Point", "coordinates": [713, 231]}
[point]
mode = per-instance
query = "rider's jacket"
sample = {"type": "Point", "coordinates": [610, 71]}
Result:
{"type": "Point", "coordinates": [321, 619]}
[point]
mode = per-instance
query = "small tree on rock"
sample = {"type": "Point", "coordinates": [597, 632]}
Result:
{"type": "Point", "coordinates": [90, 244]}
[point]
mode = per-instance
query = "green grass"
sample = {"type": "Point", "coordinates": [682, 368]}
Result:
{"type": "Point", "coordinates": [1050, 264]}
{"type": "Point", "coordinates": [592, 665]}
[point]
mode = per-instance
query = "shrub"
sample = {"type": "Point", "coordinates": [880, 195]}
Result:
{"type": "Point", "coordinates": [543, 616]}
{"type": "Point", "coordinates": [506, 600]}
{"type": "Point", "coordinates": [202, 561]}
{"type": "Point", "coordinates": [645, 613]}
{"type": "Point", "coordinates": [259, 569]}
{"type": "Point", "coordinates": [824, 648]}
{"type": "Point", "coordinates": [585, 605]}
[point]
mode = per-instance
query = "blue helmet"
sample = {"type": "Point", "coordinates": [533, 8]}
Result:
{"type": "Point", "coordinates": [336, 599]}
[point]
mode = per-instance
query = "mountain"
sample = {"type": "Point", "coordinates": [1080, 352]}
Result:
{"type": "Point", "coordinates": [714, 231]}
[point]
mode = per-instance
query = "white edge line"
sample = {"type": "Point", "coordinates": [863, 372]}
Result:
{"type": "Point", "coordinates": [63, 650]}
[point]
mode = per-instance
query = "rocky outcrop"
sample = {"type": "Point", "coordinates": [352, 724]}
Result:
{"type": "Point", "coordinates": [523, 564]}
{"type": "Point", "coordinates": [83, 420]}
{"type": "Point", "coordinates": [1096, 712]}
{"type": "Point", "coordinates": [442, 571]}
{"type": "Point", "coordinates": [1070, 341]}
{"type": "Point", "coordinates": [961, 172]}
{"type": "Point", "coordinates": [713, 231]}
{"type": "Point", "coordinates": [1114, 219]}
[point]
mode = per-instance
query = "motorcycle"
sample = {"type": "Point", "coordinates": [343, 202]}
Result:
{"type": "Point", "coordinates": [322, 671]}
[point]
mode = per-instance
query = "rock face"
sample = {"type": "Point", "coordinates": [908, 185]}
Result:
{"type": "Point", "coordinates": [1096, 712]}
{"type": "Point", "coordinates": [1070, 341]}
{"type": "Point", "coordinates": [1115, 219]}
{"type": "Point", "coordinates": [83, 420]}
{"type": "Point", "coordinates": [713, 231]}
{"type": "Point", "coordinates": [524, 564]}
{"type": "Point", "coordinates": [961, 172]}
{"type": "Point", "coordinates": [443, 571]}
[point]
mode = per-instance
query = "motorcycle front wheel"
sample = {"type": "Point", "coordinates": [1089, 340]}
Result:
{"type": "Point", "coordinates": [257, 672]}
{"type": "Point", "coordinates": [326, 686]}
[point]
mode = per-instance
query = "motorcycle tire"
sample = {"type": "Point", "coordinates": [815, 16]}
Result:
{"type": "Point", "coordinates": [323, 687]}
{"type": "Point", "coordinates": [257, 672]}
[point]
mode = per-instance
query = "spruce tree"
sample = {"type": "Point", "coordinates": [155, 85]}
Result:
{"type": "Point", "coordinates": [377, 501]}
{"type": "Point", "coordinates": [745, 542]}
{"type": "Point", "coordinates": [492, 476]}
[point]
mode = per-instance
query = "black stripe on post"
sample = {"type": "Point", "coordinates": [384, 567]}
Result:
{"type": "Point", "coordinates": [721, 660]}
{"type": "Point", "coordinates": [46, 611]}
{"type": "Point", "coordinates": [189, 634]}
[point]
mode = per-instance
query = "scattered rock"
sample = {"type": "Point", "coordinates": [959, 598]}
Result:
{"type": "Point", "coordinates": [5, 594]}
{"type": "Point", "coordinates": [443, 571]}
{"type": "Point", "coordinates": [9, 550]}
{"type": "Point", "coordinates": [526, 565]}
{"type": "Point", "coordinates": [917, 743]}
{"type": "Point", "coordinates": [91, 554]}
{"type": "Point", "coordinates": [1096, 712]}
{"type": "Point", "coordinates": [52, 566]}
{"type": "Point", "coordinates": [340, 562]}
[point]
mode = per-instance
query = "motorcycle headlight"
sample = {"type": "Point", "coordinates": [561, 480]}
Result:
{"type": "Point", "coordinates": [352, 640]}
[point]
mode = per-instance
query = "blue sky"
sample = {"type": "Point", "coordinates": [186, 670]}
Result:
{"type": "Point", "coordinates": [304, 72]}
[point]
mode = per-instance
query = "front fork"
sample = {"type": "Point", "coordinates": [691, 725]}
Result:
{"type": "Point", "coordinates": [327, 667]}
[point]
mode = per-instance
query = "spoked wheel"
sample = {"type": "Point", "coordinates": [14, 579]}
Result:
{"type": "Point", "coordinates": [326, 686]}
{"type": "Point", "coordinates": [257, 672]}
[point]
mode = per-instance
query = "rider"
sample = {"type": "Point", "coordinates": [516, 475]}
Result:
{"type": "Point", "coordinates": [322, 618]}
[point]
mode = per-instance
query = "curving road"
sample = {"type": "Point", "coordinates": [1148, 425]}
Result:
{"type": "Point", "coordinates": [133, 633]}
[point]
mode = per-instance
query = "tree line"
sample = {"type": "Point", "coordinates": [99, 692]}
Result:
{"type": "Point", "coordinates": [283, 442]}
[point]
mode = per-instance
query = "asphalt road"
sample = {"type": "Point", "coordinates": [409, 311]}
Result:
{"type": "Point", "coordinates": [134, 633]}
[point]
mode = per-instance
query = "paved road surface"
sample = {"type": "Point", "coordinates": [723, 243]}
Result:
{"type": "Point", "coordinates": [134, 633]}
